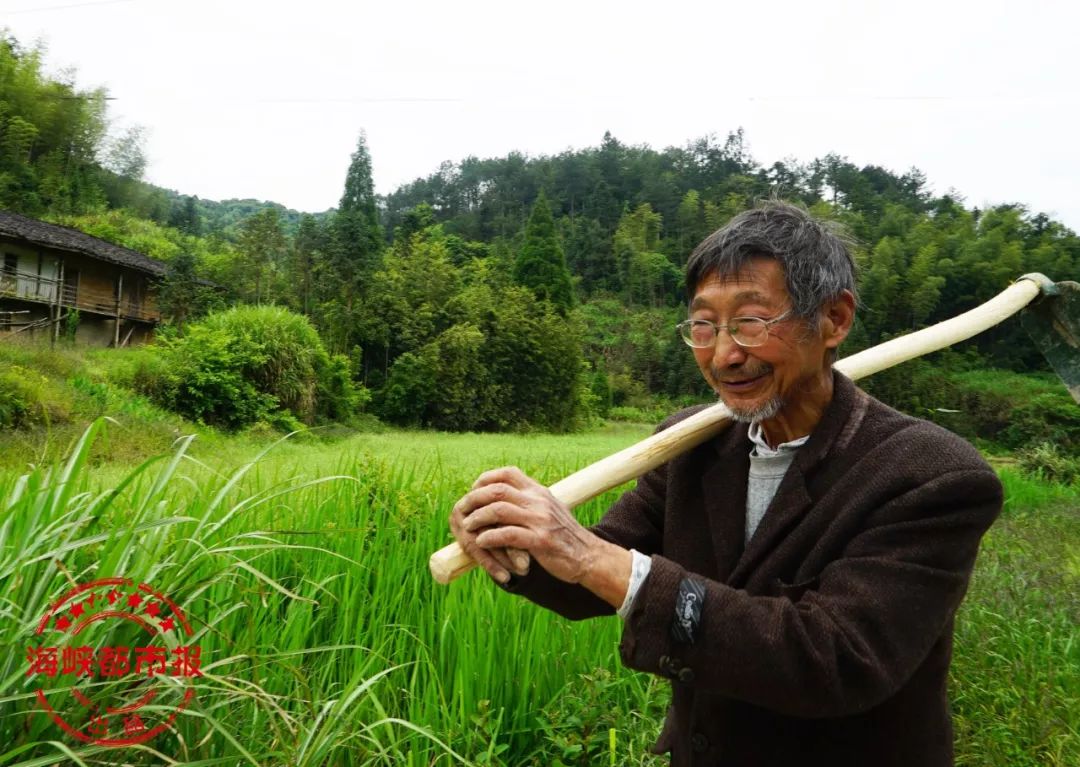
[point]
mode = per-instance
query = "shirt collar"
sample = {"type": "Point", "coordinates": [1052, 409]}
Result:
{"type": "Point", "coordinates": [761, 447]}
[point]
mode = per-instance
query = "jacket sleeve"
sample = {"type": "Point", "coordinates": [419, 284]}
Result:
{"type": "Point", "coordinates": [634, 521]}
{"type": "Point", "coordinates": [858, 630]}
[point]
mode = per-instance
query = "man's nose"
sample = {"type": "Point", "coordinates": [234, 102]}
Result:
{"type": "Point", "coordinates": [727, 353]}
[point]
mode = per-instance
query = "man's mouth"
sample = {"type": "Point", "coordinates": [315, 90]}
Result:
{"type": "Point", "coordinates": [742, 384]}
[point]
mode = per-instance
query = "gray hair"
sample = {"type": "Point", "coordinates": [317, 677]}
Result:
{"type": "Point", "coordinates": [815, 255]}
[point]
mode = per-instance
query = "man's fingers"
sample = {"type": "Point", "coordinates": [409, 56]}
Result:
{"type": "Point", "coordinates": [496, 563]}
{"type": "Point", "coordinates": [486, 559]}
{"type": "Point", "coordinates": [505, 561]}
{"type": "Point", "coordinates": [520, 559]}
{"type": "Point", "coordinates": [497, 498]}
{"type": "Point", "coordinates": [503, 558]}
{"type": "Point", "coordinates": [510, 475]}
{"type": "Point", "coordinates": [507, 538]}
{"type": "Point", "coordinates": [482, 496]}
{"type": "Point", "coordinates": [497, 513]}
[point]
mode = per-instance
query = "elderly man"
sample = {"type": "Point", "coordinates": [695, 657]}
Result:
{"type": "Point", "coordinates": [795, 578]}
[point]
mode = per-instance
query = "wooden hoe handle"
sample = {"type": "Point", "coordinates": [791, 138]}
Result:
{"type": "Point", "coordinates": [451, 561]}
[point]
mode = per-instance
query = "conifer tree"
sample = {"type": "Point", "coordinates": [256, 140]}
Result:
{"type": "Point", "coordinates": [355, 253]}
{"type": "Point", "coordinates": [541, 265]}
{"type": "Point", "coordinates": [357, 230]}
{"type": "Point", "coordinates": [359, 194]}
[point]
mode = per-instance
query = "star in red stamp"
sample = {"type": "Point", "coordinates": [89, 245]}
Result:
{"type": "Point", "coordinates": [114, 662]}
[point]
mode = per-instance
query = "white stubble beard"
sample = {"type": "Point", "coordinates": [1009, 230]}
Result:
{"type": "Point", "coordinates": [762, 412]}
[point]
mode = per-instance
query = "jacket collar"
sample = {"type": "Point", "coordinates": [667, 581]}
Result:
{"type": "Point", "coordinates": [724, 485]}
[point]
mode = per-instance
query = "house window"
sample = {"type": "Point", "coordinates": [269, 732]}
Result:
{"type": "Point", "coordinates": [11, 263]}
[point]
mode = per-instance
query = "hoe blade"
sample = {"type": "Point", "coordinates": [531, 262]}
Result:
{"type": "Point", "coordinates": [1053, 322]}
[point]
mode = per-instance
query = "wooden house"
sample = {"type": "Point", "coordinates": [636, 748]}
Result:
{"type": "Point", "coordinates": [49, 272]}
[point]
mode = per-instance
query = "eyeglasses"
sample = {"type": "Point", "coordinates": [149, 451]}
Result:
{"type": "Point", "coordinates": [745, 331]}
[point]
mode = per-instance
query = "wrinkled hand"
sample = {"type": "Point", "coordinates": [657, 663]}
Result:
{"type": "Point", "coordinates": [506, 509]}
{"type": "Point", "coordinates": [499, 562]}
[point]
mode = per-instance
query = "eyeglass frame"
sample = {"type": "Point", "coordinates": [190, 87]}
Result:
{"type": "Point", "coordinates": [734, 321]}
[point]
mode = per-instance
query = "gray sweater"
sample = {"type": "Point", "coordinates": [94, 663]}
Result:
{"type": "Point", "coordinates": [767, 469]}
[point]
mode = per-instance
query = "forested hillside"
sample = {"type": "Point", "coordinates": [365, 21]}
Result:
{"type": "Point", "coordinates": [518, 291]}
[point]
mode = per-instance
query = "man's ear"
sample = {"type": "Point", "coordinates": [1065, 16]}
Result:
{"type": "Point", "coordinates": [837, 319]}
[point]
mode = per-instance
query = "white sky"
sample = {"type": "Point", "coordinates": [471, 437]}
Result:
{"type": "Point", "coordinates": [266, 99]}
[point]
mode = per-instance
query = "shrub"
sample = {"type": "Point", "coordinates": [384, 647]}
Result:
{"type": "Point", "coordinates": [149, 375]}
{"type": "Point", "coordinates": [1010, 410]}
{"type": "Point", "coordinates": [27, 398]}
{"type": "Point", "coordinates": [1050, 417]}
{"type": "Point", "coordinates": [70, 328]}
{"type": "Point", "coordinates": [630, 414]}
{"type": "Point", "coordinates": [285, 422]}
{"type": "Point", "coordinates": [1048, 463]}
{"type": "Point", "coordinates": [205, 379]}
{"type": "Point", "coordinates": [601, 394]}
{"type": "Point", "coordinates": [242, 365]}
{"type": "Point", "coordinates": [337, 398]}
{"type": "Point", "coordinates": [533, 359]}
{"type": "Point", "coordinates": [19, 404]}
{"type": "Point", "coordinates": [284, 348]}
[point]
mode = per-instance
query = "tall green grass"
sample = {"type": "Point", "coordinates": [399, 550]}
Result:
{"type": "Point", "coordinates": [330, 642]}
{"type": "Point", "coordinates": [326, 642]}
{"type": "Point", "coordinates": [1016, 672]}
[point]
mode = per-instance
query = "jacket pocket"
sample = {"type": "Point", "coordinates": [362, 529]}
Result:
{"type": "Point", "coordinates": [794, 591]}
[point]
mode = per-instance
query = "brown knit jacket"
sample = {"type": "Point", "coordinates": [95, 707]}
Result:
{"type": "Point", "coordinates": [828, 639]}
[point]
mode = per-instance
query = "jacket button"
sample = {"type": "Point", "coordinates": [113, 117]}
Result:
{"type": "Point", "coordinates": [699, 743]}
{"type": "Point", "coordinates": [686, 675]}
{"type": "Point", "coordinates": [669, 666]}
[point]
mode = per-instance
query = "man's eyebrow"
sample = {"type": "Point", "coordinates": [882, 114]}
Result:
{"type": "Point", "coordinates": [752, 296]}
{"type": "Point", "coordinates": [743, 296]}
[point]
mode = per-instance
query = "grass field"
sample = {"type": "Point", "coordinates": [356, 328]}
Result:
{"type": "Point", "coordinates": [325, 641]}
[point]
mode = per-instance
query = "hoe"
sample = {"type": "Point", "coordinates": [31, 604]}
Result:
{"type": "Point", "coordinates": [1051, 318]}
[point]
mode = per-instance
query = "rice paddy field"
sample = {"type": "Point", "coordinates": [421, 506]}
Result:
{"type": "Point", "coordinates": [302, 572]}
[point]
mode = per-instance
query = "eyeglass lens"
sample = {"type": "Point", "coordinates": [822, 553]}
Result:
{"type": "Point", "coordinates": [748, 331]}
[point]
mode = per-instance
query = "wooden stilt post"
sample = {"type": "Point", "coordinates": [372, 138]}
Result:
{"type": "Point", "coordinates": [119, 297]}
{"type": "Point", "coordinates": [59, 303]}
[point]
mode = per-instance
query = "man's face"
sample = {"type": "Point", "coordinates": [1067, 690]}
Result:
{"type": "Point", "coordinates": [759, 382]}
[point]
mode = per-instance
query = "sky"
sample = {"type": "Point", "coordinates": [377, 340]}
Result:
{"type": "Point", "coordinates": [266, 99]}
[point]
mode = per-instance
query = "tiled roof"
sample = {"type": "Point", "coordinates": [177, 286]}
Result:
{"type": "Point", "coordinates": [66, 238]}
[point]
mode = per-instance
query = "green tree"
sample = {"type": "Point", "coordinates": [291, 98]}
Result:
{"type": "Point", "coordinates": [51, 134]}
{"type": "Point", "coordinates": [262, 249]}
{"type": "Point", "coordinates": [180, 296]}
{"type": "Point", "coordinates": [924, 284]}
{"type": "Point", "coordinates": [691, 226]}
{"type": "Point", "coordinates": [125, 155]}
{"type": "Point", "coordinates": [588, 254]}
{"type": "Point", "coordinates": [443, 385]}
{"type": "Point", "coordinates": [308, 250]}
{"type": "Point", "coordinates": [541, 265]}
{"type": "Point", "coordinates": [408, 298]}
{"type": "Point", "coordinates": [648, 276]}
{"type": "Point", "coordinates": [882, 283]}
{"type": "Point", "coordinates": [184, 215]}
{"type": "Point", "coordinates": [354, 254]}
{"type": "Point", "coordinates": [533, 355]}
